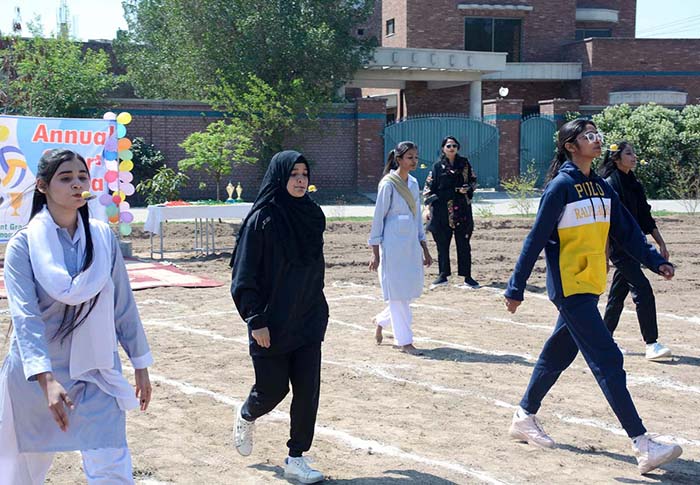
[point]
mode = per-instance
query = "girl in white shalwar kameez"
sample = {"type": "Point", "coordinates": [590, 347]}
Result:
{"type": "Point", "coordinates": [61, 386]}
{"type": "Point", "coordinates": [399, 249]}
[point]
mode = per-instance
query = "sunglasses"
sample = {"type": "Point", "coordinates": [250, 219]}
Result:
{"type": "Point", "coordinates": [450, 145]}
{"type": "Point", "coordinates": [592, 137]}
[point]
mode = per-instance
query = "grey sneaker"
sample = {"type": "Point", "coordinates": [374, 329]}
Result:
{"type": "Point", "coordinates": [657, 351]}
{"type": "Point", "coordinates": [527, 427]}
{"type": "Point", "coordinates": [652, 454]}
{"type": "Point", "coordinates": [298, 469]}
{"type": "Point", "coordinates": [243, 435]}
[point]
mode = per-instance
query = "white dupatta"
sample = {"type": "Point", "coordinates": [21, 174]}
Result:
{"type": "Point", "coordinates": [94, 342]}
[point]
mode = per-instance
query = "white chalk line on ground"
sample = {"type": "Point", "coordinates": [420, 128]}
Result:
{"type": "Point", "coordinates": [347, 439]}
{"type": "Point", "coordinates": [435, 388]}
{"type": "Point", "coordinates": [690, 319]}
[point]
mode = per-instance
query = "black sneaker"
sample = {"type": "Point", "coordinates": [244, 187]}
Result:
{"type": "Point", "coordinates": [471, 282]}
{"type": "Point", "coordinates": [439, 281]}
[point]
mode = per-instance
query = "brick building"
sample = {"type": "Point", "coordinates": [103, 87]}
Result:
{"type": "Point", "coordinates": [554, 49]}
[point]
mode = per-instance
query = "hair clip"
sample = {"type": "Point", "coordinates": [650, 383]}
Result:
{"type": "Point", "coordinates": [613, 147]}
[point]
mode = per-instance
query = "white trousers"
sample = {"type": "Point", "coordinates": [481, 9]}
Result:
{"type": "Point", "coordinates": [398, 314]}
{"type": "Point", "coordinates": [104, 466]}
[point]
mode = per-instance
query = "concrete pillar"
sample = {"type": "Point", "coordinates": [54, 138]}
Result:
{"type": "Point", "coordinates": [506, 115]}
{"type": "Point", "coordinates": [475, 99]}
{"type": "Point", "coordinates": [557, 108]}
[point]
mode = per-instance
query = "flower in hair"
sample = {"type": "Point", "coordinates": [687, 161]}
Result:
{"type": "Point", "coordinates": [643, 162]}
{"type": "Point", "coordinates": [613, 147]}
{"type": "Point", "coordinates": [422, 165]}
{"type": "Point", "coordinates": [312, 188]}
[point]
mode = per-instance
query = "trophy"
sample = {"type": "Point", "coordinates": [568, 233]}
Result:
{"type": "Point", "coordinates": [229, 191]}
{"type": "Point", "coordinates": [239, 191]}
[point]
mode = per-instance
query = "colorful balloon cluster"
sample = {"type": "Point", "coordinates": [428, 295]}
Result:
{"type": "Point", "coordinates": [118, 176]}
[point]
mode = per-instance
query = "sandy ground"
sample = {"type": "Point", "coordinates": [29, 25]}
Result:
{"type": "Point", "coordinates": [390, 418]}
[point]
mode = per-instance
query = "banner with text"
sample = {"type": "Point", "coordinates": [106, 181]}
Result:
{"type": "Point", "coordinates": [23, 140]}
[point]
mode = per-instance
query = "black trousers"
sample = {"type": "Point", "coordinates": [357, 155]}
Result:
{"type": "Point", "coordinates": [443, 236]}
{"type": "Point", "coordinates": [301, 367]}
{"type": "Point", "coordinates": [629, 278]}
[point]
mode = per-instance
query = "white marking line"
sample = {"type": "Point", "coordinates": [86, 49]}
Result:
{"type": "Point", "coordinates": [595, 423]}
{"type": "Point", "coordinates": [342, 436]}
{"type": "Point", "coordinates": [353, 297]}
{"type": "Point", "coordinates": [664, 383]}
{"type": "Point", "coordinates": [346, 324]}
{"type": "Point", "coordinates": [195, 331]}
{"type": "Point", "coordinates": [349, 284]}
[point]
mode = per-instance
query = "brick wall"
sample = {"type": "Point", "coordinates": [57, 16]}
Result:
{"type": "Point", "coordinates": [421, 100]}
{"type": "Point", "coordinates": [646, 64]}
{"type": "Point", "coordinates": [394, 9]}
{"type": "Point", "coordinates": [439, 24]}
{"type": "Point", "coordinates": [331, 144]}
{"type": "Point", "coordinates": [371, 118]}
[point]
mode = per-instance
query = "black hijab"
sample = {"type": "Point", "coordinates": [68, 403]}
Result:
{"type": "Point", "coordinates": [298, 221]}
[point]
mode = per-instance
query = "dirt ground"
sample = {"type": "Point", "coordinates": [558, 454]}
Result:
{"type": "Point", "coordinates": [391, 418]}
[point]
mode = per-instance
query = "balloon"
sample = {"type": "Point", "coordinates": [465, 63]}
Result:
{"type": "Point", "coordinates": [109, 116]}
{"type": "Point", "coordinates": [114, 186]}
{"type": "Point", "coordinates": [126, 155]}
{"type": "Point", "coordinates": [116, 199]}
{"type": "Point", "coordinates": [127, 189]}
{"type": "Point", "coordinates": [105, 199]}
{"type": "Point", "coordinates": [124, 118]}
{"type": "Point", "coordinates": [123, 144]}
{"type": "Point", "coordinates": [114, 219]}
{"type": "Point", "coordinates": [120, 193]}
{"type": "Point", "coordinates": [110, 155]}
{"type": "Point", "coordinates": [111, 144]}
{"type": "Point", "coordinates": [126, 177]}
{"type": "Point", "coordinates": [126, 217]}
{"type": "Point", "coordinates": [126, 166]}
{"type": "Point", "coordinates": [124, 206]}
{"type": "Point", "coordinates": [121, 130]}
{"type": "Point", "coordinates": [112, 210]}
{"type": "Point", "coordinates": [125, 229]}
{"type": "Point", "coordinates": [111, 176]}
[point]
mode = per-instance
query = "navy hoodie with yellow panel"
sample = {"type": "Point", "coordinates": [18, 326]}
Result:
{"type": "Point", "coordinates": [576, 215]}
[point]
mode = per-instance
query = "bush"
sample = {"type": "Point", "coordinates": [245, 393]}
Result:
{"type": "Point", "coordinates": [147, 160]}
{"type": "Point", "coordinates": [165, 185]}
{"type": "Point", "coordinates": [522, 187]}
{"type": "Point", "coordinates": [669, 141]}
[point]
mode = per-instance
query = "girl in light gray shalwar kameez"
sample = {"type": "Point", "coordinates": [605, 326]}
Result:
{"type": "Point", "coordinates": [61, 386]}
{"type": "Point", "coordinates": [398, 244]}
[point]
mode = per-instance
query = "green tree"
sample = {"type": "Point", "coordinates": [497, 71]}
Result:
{"type": "Point", "coordinates": [52, 77]}
{"type": "Point", "coordinates": [165, 185]}
{"type": "Point", "coordinates": [216, 149]}
{"type": "Point", "coordinates": [181, 48]}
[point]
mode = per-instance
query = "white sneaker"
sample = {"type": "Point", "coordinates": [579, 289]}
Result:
{"type": "Point", "coordinates": [652, 454]}
{"type": "Point", "coordinates": [298, 468]}
{"type": "Point", "coordinates": [526, 427]}
{"type": "Point", "coordinates": [243, 435]}
{"type": "Point", "coordinates": [657, 351]}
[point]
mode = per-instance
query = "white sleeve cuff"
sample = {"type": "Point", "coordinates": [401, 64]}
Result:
{"type": "Point", "coordinates": [375, 241]}
{"type": "Point", "coordinates": [36, 366]}
{"type": "Point", "coordinates": [142, 362]}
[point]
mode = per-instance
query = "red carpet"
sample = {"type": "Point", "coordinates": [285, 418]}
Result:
{"type": "Point", "coordinates": [144, 275]}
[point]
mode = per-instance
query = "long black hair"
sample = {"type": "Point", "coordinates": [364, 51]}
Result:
{"type": "Point", "coordinates": [568, 133]}
{"type": "Point", "coordinates": [47, 168]}
{"type": "Point", "coordinates": [611, 156]}
{"type": "Point", "coordinates": [398, 152]}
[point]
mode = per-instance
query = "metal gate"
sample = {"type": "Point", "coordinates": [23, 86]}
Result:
{"type": "Point", "coordinates": [537, 145]}
{"type": "Point", "coordinates": [478, 140]}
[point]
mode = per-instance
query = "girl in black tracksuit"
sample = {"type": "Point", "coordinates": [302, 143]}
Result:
{"type": "Point", "coordinates": [617, 169]}
{"type": "Point", "coordinates": [448, 193]}
{"type": "Point", "coordinates": [277, 286]}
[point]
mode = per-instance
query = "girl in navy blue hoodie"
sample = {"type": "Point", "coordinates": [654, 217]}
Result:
{"type": "Point", "coordinates": [577, 213]}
